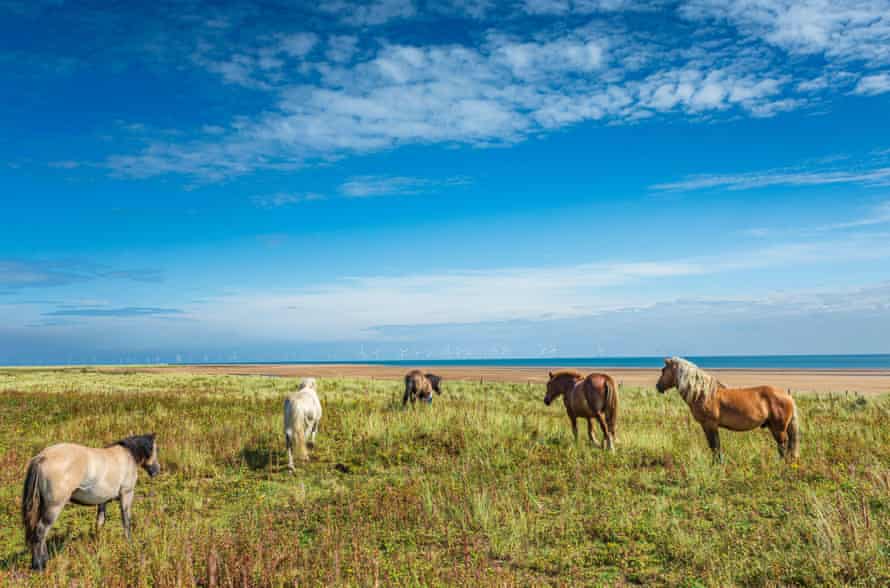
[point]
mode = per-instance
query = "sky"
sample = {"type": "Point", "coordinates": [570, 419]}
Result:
{"type": "Point", "coordinates": [409, 179]}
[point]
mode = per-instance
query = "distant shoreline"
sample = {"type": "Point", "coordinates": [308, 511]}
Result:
{"type": "Point", "coordinates": [864, 381]}
{"type": "Point", "coordinates": [863, 362]}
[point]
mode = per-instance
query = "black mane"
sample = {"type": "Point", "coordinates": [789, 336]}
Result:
{"type": "Point", "coordinates": [434, 382]}
{"type": "Point", "coordinates": [140, 446]}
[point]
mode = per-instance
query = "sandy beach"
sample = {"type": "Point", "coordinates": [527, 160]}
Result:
{"type": "Point", "coordinates": [798, 381]}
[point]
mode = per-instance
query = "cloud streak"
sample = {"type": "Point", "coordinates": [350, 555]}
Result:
{"type": "Point", "coordinates": [18, 274]}
{"type": "Point", "coordinates": [123, 312]}
{"type": "Point", "coordinates": [349, 307]}
{"type": "Point", "coordinates": [376, 186]}
{"type": "Point", "coordinates": [873, 175]}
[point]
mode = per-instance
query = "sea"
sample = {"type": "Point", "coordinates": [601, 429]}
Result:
{"type": "Point", "coordinates": [809, 362]}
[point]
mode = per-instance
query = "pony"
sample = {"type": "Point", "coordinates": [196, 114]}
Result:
{"type": "Point", "coordinates": [87, 476]}
{"type": "Point", "coordinates": [302, 413]}
{"type": "Point", "coordinates": [593, 396]}
{"type": "Point", "coordinates": [738, 409]}
{"type": "Point", "coordinates": [421, 385]}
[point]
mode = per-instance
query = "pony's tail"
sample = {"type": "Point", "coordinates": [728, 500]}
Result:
{"type": "Point", "coordinates": [32, 501]}
{"type": "Point", "coordinates": [611, 407]}
{"type": "Point", "coordinates": [794, 434]}
{"type": "Point", "coordinates": [294, 422]}
{"type": "Point", "coordinates": [409, 388]}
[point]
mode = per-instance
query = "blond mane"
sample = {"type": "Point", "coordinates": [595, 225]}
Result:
{"type": "Point", "coordinates": [693, 383]}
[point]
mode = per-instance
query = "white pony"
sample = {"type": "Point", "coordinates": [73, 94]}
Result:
{"type": "Point", "coordinates": [302, 413]}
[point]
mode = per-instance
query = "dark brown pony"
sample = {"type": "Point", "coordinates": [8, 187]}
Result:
{"type": "Point", "coordinates": [420, 385]}
{"type": "Point", "coordinates": [738, 409]}
{"type": "Point", "coordinates": [594, 396]}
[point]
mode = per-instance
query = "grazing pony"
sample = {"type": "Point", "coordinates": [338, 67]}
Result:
{"type": "Point", "coordinates": [302, 413]}
{"type": "Point", "coordinates": [738, 409]}
{"type": "Point", "coordinates": [83, 475]}
{"type": "Point", "coordinates": [420, 385]}
{"type": "Point", "coordinates": [593, 396]}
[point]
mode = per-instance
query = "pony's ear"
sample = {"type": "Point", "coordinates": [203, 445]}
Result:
{"type": "Point", "coordinates": [667, 361]}
{"type": "Point", "coordinates": [550, 374]}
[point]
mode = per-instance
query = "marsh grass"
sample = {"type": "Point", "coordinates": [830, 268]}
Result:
{"type": "Point", "coordinates": [484, 487]}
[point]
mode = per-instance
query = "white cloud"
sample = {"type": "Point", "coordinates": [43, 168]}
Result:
{"type": "Point", "coordinates": [840, 30]}
{"type": "Point", "coordinates": [352, 306]}
{"type": "Point", "coordinates": [873, 85]}
{"type": "Point", "coordinates": [341, 48]}
{"type": "Point", "coordinates": [298, 44]}
{"type": "Point", "coordinates": [374, 12]}
{"type": "Point", "coordinates": [282, 199]}
{"type": "Point", "coordinates": [874, 175]}
{"type": "Point", "coordinates": [498, 92]}
{"type": "Point", "coordinates": [372, 186]}
{"type": "Point", "coordinates": [561, 7]}
{"type": "Point", "coordinates": [878, 215]}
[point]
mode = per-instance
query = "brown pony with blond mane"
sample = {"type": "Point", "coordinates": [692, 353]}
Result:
{"type": "Point", "coordinates": [592, 397]}
{"type": "Point", "coordinates": [738, 409]}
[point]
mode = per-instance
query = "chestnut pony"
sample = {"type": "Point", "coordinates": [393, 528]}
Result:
{"type": "Point", "coordinates": [592, 397]}
{"type": "Point", "coordinates": [738, 409]}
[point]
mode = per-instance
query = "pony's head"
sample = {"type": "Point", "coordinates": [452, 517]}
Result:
{"type": "Point", "coordinates": [307, 383]}
{"type": "Point", "coordinates": [435, 382]}
{"type": "Point", "coordinates": [668, 377]}
{"type": "Point", "coordinates": [557, 384]}
{"type": "Point", "coordinates": [144, 450]}
{"type": "Point", "coordinates": [691, 381]}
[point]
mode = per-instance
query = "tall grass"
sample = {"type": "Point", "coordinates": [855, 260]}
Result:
{"type": "Point", "coordinates": [484, 487]}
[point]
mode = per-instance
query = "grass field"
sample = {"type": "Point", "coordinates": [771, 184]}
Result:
{"type": "Point", "coordinates": [485, 487]}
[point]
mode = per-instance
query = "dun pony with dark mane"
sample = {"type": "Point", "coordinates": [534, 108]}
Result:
{"type": "Point", "coordinates": [420, 385]}
{"type": "Point", "coordinates": [592, 397]}
{"type": "Point", "coordinates": [83, 475]}
{"type": "Point", "coordinates": [738, 409]}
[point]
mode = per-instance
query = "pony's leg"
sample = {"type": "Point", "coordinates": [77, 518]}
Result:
{"type": "Point", "coordinates": [714, 443]}
{"type": "Point", "coordinates": [289, 443]}
{"type": "Point", "coordinates": [405, 396]}
{"type": "Point", "coordinates": [100, 516]}
{"type": "Point", "coordinates": [574, 427]}
{"type": "Point", "coordinates": [39, 552]}
{"type": "Point", "coordinates": [314, 432]}
{"type": "Point", "coordinates": [590, 431]}
{"type": "Point", "coordinates": [607, 437]}
{"type": "Point", "coordinates": [310, 435]}
{"type": "Point", "coordinates": [126, 504]}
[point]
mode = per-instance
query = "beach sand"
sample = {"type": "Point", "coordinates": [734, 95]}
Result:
{"type": "Point", "coordinates": [796, 380]}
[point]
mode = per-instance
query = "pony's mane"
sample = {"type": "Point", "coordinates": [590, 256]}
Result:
{"type": "Point", "coordinates": [693, 383]}
{"type": "Point", "coordinates": [566, 374]}
{"type": "Point", "coordinates": [140, 446]}
{"type": "Point", "coordinates": [435, 381]}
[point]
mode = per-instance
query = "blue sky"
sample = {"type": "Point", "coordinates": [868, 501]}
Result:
{"type": "Point", "coordinates": [408, 179]}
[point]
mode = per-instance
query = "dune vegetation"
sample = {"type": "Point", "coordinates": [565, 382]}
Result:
{"type": "Point", "coordinates": [483, 487]}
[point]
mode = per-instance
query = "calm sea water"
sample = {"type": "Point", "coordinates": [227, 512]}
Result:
{"type": "Point", "coordinates": [881, 361]}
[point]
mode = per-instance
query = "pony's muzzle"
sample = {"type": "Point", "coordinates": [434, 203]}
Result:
{"type": "Point", "coordinates": [153, 470]}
